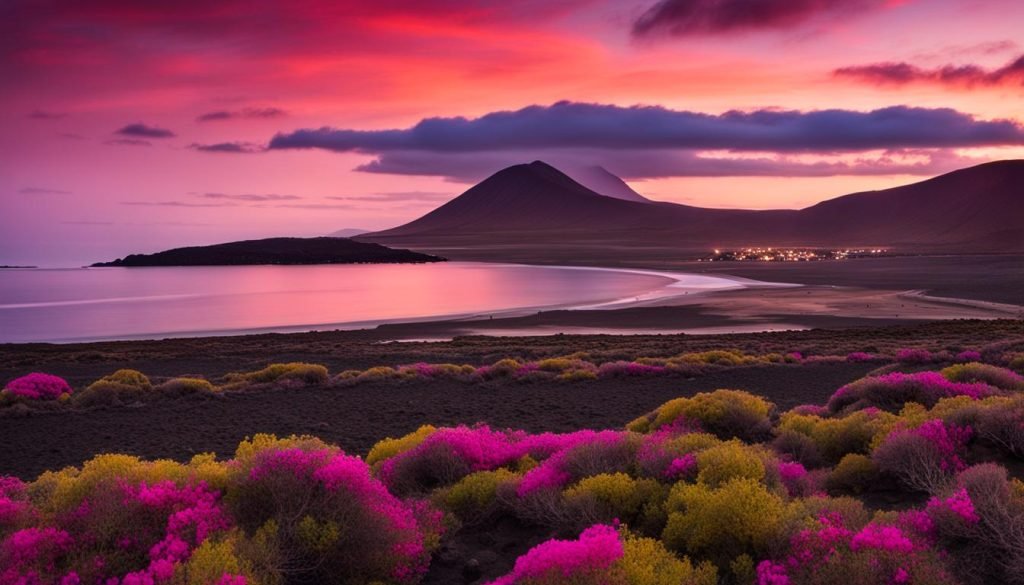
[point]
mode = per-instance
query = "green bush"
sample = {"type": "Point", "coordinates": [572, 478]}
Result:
{"type": "Point", "coordinates": [740, 517]}
{"type": "Point", "coordinates": [854, 474]}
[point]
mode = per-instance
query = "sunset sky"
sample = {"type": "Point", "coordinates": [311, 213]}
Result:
{"type": "Point", "coordinates": [138, 126]}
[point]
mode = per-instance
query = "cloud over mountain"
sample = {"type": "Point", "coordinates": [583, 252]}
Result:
{"type": "Point", "coordinates": [586, 125]}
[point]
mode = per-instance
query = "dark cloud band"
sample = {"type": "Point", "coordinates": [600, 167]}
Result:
{"type": "Point", "coordinates": [584, 125]}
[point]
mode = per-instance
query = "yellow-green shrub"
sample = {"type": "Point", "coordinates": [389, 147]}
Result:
{"type": "Point", "coordinates": [740, 517]}
{"type": "Point", "coordinates": [577, 375]}
{"type": "Point", "coordinates": [726, 413]}
{"type": "Point", "coordinates": [215, 558]}
{"type": "Point", "coordinates": [186, 386]}
{"type": "Point", "coordinates": [836, 437]}
{"type": "Point", "coordinates": [985, 373]}
{"type": "Point", "coordinates": [610, 496]}
{"type": "Point", "coordinates": [645, 561]}
{"type": "Point", "coordinates": [716, 357]}
{"type": "Point", "coordinates": [853, 474]}
{"type": "Point", "coordinates": [307, 374]}
{"type": "Point", "coordinates": [130, 378]}
{"type": "Point", "coordinates": [475, 496]}
{"type": "Point", "coordinates": [731, 460]}
{"type": "Point", "coordinates": [378, 373]}
{"type": "Point", "coordinates": [121, 387]}
{"type": "Point", "coordinates": [389, 447]}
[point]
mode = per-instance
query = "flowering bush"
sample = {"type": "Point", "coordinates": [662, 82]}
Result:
{"type": "Point", "coordinates": [332, 520]}
{"type": "Point", "coordinates": [891, 391]}
{"type": "Point", "coordinates": [925, 458]}
{"type": "Point", "coordinates": [726, 413]}
{"type": "Point", "coordinates": [568, 561]}
{"type": "Point", "coordinates": [38, 386]}
{"type": "Point", "coordinates": [830, 552]}
{"type": "Point", "coordinates": [969, 356]}
{"type": "Point", "coordinates": [914, 356]}
{"type": "Point", "coordinates": [117, 518]}
{"type": "Point", "coordinates": [602, 556]}
{"type": "Point", "coordinates": [622, 369]}
{"type": "Point", "coordinates": [861, 357]}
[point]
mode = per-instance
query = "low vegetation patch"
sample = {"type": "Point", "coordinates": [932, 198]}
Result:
{"type": "Point", "coordinates": [900, 480]}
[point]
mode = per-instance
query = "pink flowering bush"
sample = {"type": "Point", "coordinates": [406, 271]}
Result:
{"type": "Point", "coordinates": [891, 391]}
{"type": "Point", "coordinates": [968, 356]}
{"type": "Point", "coordinates": [331, 519]}
{"type": "Point", "coordinates": [37, 386]}
{"type": "Point", "coordinates": [925, 458]}
{"type": "Point", "coordinates": [857, 357]}
{"type": "Point", "coordinates": [113, 522]}
{"type": "Point", "coordinates": [15, 509]}
{"type": "Point", "coordinates": [831, 552]}
{"type": "Point", "coordinates": [557, 562]}
{"type": "Point", "coordinates": [624, 369]}
{"type": "Point", "coordinates": [914, 356]}
{"type": "Point", "coordinates": [798, 481]}
{"type": "Point", "coordinates": [589, 454]}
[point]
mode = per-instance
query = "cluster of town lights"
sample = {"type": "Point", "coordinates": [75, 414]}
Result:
{"type": "Point", "coordinates": [789, 254]}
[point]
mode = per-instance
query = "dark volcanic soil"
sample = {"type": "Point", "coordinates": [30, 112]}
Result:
{"type": "Point", "coordinates": [357, 417]}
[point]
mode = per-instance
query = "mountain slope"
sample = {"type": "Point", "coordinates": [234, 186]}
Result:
{"type": "Point", "coordinates": [979, 209]}
{"type": "Point", "coordinates": [600, 180]}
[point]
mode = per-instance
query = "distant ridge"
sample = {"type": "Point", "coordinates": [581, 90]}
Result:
{"type": "Point", "coordinates": [977, 209]}
{"type": "Point", "coordinates": [325, 250]}
{"type": "Point", "coordinates": [348, 233]}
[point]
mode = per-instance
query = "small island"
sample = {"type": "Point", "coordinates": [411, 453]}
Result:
{"type": "Point", "coordinates": [284, 251]}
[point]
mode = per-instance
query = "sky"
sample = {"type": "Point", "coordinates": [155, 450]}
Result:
{"type": "Point", "coordinates": [131, 127]}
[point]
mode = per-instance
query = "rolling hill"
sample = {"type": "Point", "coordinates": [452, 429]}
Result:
{"type": "Point", "coordinates": [323, 250]}
{"type": "Point", "coordinates": [535, 206]}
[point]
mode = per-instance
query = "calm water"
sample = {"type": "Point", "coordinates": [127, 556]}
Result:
{"type": "Point", "coordinates": [106, 303]}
